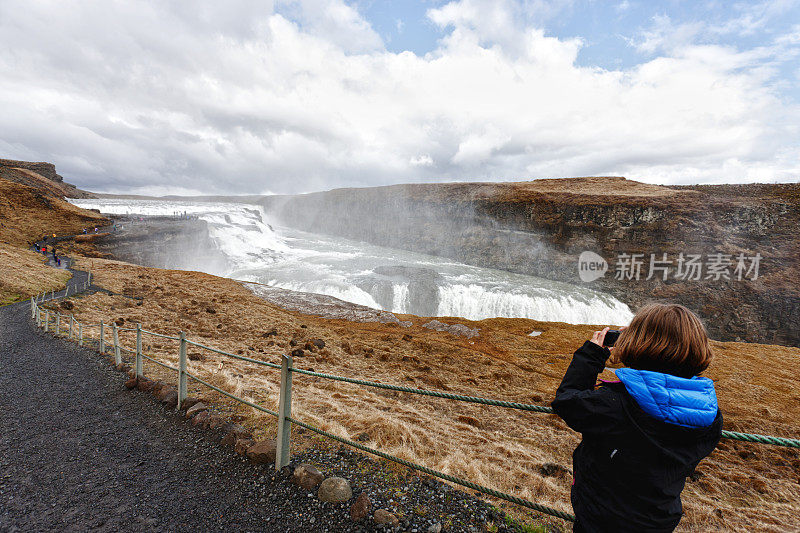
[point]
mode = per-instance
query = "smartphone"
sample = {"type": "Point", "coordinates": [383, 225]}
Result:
{"type": "Point", "coordinates": [611, 337]}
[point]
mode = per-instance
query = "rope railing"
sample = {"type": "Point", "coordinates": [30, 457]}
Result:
{"type": "Point", "coordinates": [284, 411]}
{"type": "Point", "coordinates": [153, 333]}
{"type": "Point", "coordinates": [235, 356]}
{"type": "Point", "coordinates": [232, 396]}
{"type": "Point", "coordinates": [156, 361]}
{"type": "Point", "coordinates": [424, 392]}
{"type": "Point", "coordinates": [447, 477]}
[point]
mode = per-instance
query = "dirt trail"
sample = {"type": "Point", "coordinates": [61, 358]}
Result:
{"type": "Point", "coordinates": [79, 453]}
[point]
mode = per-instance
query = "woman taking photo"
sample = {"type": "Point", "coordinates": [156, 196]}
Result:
{"type": "Point", "coordinates": [642, 435]}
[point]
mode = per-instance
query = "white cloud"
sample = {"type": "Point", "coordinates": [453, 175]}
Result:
{"type": "Point", "coordinates": [423, 160]}
{"type": "Point", "coordinates": [221, 98]}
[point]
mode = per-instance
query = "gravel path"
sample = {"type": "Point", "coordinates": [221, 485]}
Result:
{"type": "Point", "coordinates": [79, 452]}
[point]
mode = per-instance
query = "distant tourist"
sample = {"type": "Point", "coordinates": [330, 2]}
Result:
{"type": "Point", "coordinates": [644, 434]}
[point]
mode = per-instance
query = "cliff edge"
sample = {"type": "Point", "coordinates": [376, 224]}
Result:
{"type": "Point", "coordinates": [541, 227]}
{"type": "Point", "coordinates": [40, 175]}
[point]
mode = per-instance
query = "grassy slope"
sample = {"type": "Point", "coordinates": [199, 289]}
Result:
{"type": "Point", "coordinates": [24, 273]}
{"type": "Point", "coordinates": [27, 214]}
{"type": "Point", "coordinates": [752, 486]}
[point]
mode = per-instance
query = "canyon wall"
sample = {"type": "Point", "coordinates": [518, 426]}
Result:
{"type": "Point", "coordinates": [541, 227]}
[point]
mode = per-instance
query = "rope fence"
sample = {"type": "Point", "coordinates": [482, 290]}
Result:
{"type": "Point", "coordinates": [44, 318]}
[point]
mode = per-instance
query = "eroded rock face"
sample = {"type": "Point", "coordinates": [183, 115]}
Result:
{"type": "Point", "coordinates": [541, 230]}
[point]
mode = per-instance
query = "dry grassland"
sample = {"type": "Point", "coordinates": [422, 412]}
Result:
{"type": "Point", "coordinates": [741, 486]}
{"type": "Point", "coordinates": [27, 214]}
{"type": "Point", "coordinates": [24, 273]}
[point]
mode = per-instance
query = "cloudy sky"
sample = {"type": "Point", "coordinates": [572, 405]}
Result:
{"type": "Point", "coordinates": [299, 95]}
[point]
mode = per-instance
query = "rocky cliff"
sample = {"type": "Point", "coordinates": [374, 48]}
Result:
{"type": "Point", "coordinates": [541, 228]}
{"type": "Point", "coordinates": [41, 176]}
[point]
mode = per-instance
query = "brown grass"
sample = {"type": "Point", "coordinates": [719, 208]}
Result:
{"type": "Point", "coordinates": [27, 214]}
{"type": "Point", "coordinates": [742, 485]}
{"type": "Point", "coordinates": [24, 273]}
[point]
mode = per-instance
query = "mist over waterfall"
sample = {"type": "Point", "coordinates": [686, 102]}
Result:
{"type": "Point", "coordinates": [247, 244]}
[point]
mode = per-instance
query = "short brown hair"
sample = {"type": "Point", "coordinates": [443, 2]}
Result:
{"type": "Point", "coordinates": [665, 338]}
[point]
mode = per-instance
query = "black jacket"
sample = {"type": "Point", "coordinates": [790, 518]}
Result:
{"type": "Point", "coordinates": [630, 467]}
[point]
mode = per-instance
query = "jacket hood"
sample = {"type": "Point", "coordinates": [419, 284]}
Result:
{"type": "Point", "coordinates": [690, 403]}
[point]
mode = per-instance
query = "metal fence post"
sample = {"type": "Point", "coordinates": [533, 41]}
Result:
{"type": "Point", "coordinates": [138, 368]}
{"type": "Point", "coordinates": [115, 331]}
{"type": "Point", "coordinates": [80, 334]}
{"type": "Point", "coordinates": [46, 320]}
{"type": "Point", "coordinates": [182, 371]}
{"type": "Point", "coordinates": [284, 414]}
{"type": "Point", "coordinates": [102, 339]}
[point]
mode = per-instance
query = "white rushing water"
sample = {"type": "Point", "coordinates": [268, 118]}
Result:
{"type": "Point", "coordinates": [378, 277]}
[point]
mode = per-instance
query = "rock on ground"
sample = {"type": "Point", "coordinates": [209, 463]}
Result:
{"type": "Point", "coordinates": [335, 489]}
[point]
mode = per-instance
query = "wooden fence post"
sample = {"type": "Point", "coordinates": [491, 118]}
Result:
{"type": "Point", "coordinates": [102, 339]}
{"type": "Point", "coordinates": [58, 324]}
{"type": "Point", "coordinates": [115, 331]}
{"type": "Point", "coordinates": [46, 320]}
{"type": "Point", "coordinates": [80, 334]}
{"type": "Point", "coordinates": [284, 414]}
{"type": "Point", "coordinates": [138, 365]}
{"type": "Point", "coordinates": [182, 392]}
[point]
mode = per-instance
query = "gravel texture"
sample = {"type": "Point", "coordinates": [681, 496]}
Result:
{"type": "Point", "coordinates": [78, 452]}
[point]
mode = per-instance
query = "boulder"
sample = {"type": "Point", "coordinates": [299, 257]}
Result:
{"type": "Point", "coordinates": [298, 352]}
{"type": "Point", "coordinates": [199, 418]}
{"type": "Point", "coordinates": [319, 343]}
{"type": "Point", "coordinates": [189, 402]}
{"type": "Point", "coordinates": [382, 516]}
{"type": "Point", "coordinates": [242, 445]}
{"type": "Point", "coordinates": [144, 384]}
{"type": "Point", "coordinates": [360, 508]}
{"type": "Point", "coordinates": [436, 527]}
{"type": "Point", "coordinates": [234, 433]}
{"type": "Point", "coordinates": [66, 304]}
{"type": "Point", "coordinates": [262, 452]}
{"type": "Point", "coordinates": [554, 470]}
{"type": "Point", "coordinates": [213, 421]}
{"type": "Point", "coordinates": [196, 408]}
{"type": "Point", "coordinates": [335, 489]}
{"type": "Point", "coordinates": [160, 389]}
{"type": "Point", "coordinates": [170, 398]}
{"type": "Point", "coordinates": [270, 333]}
{"type": "Point", "coordinates": [307, 476]}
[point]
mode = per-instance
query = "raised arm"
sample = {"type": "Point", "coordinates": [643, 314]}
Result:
{"type": "Point", "coordinates": [583, 408]}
